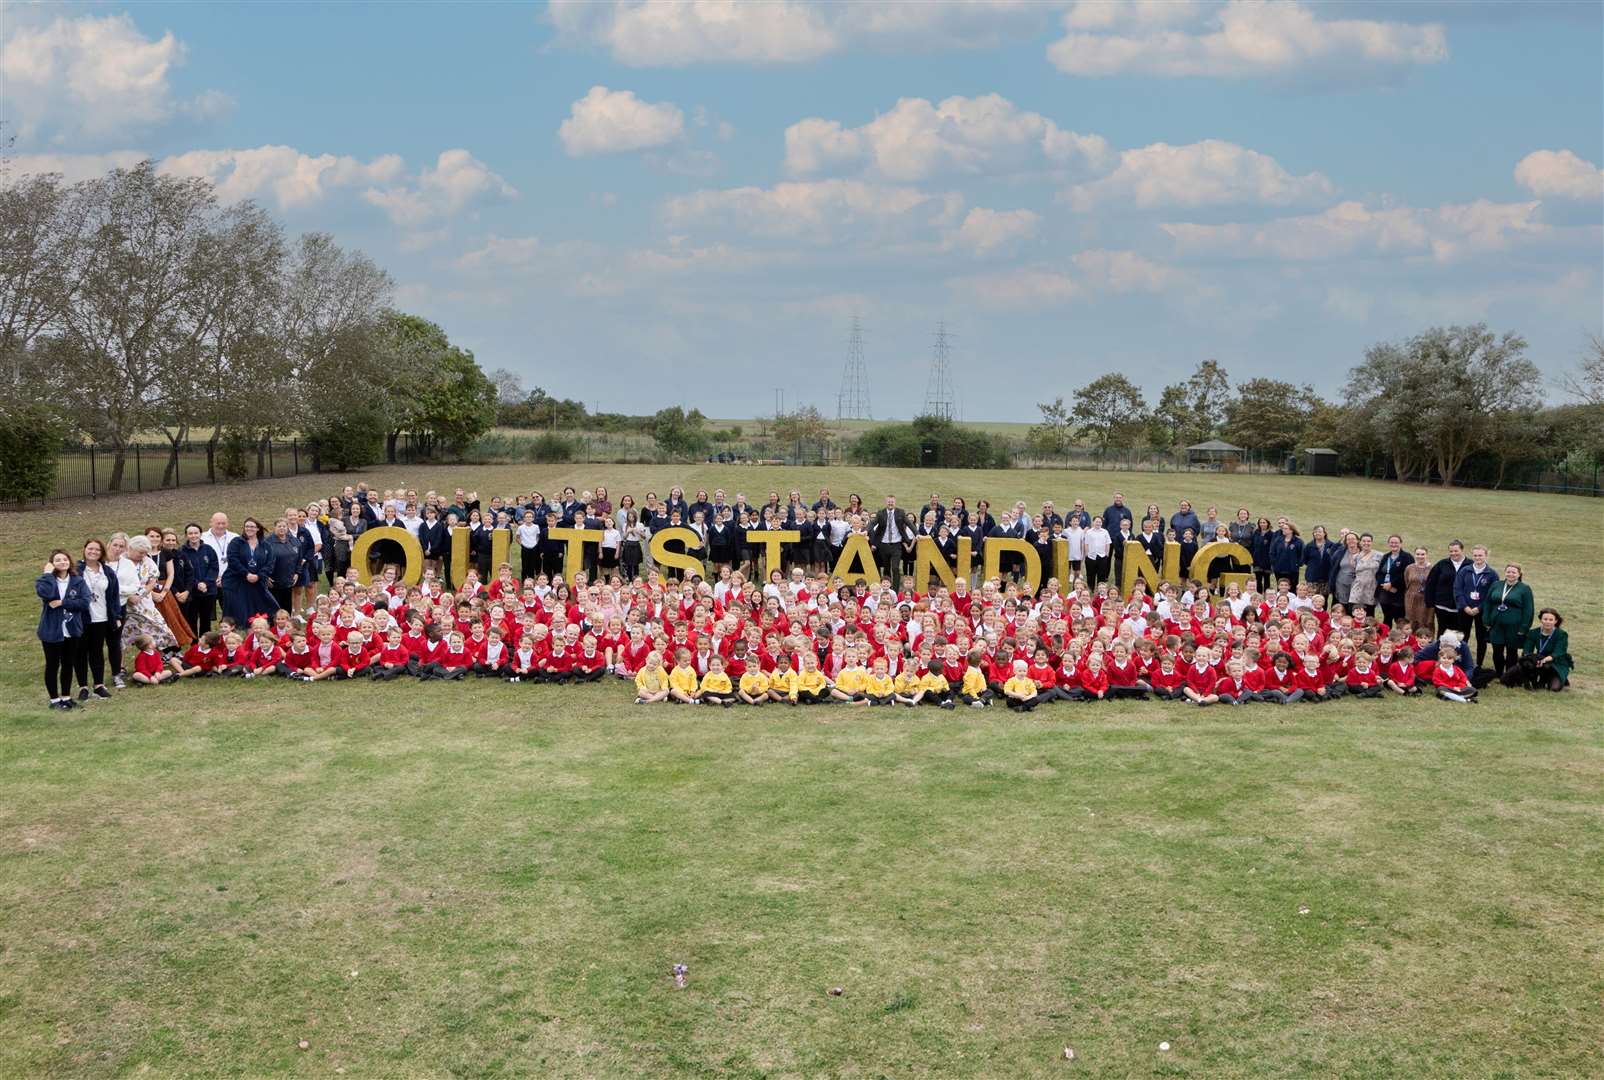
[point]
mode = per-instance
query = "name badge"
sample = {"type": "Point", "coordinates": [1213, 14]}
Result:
{"type": "Point", "coordinates": [1475, 596]}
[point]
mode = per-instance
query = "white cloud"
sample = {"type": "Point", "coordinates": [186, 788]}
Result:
{"type": "Point", "coordinates": [93, 76]}
{"type": "Point", "coordinates": [985, 232]}
{"type": "Point", "coordinates": [1237, 40]}
{"type": "Point", "coordinates": [1091, 274]}
{"type": "Point", "coordinates": [457, 180]}
{"type": "Point", "coordinates": [817, 211]}
{"type": "Point", "coordinates": [292, 178]}
{"type": "Point", "coordinates": [616, 121]}
{"type": "Point", "coordinates": [917, 139]}
{"type": "Point", "coordinates": [1560, 174]}
{"type": "Point", "coordinates": [1349, 229]}
{"type": "Point", "coordinates": [75, 167]}
{"type": "Point", "coordinates": [674, 33]}
{"type": "Point", "coordinates": [1208, 173]}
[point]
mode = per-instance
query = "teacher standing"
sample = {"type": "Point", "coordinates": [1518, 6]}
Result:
{"type": "Point", "coordinates": [250, 563]}
{"type": "Point", "coordinates": [890, 528]}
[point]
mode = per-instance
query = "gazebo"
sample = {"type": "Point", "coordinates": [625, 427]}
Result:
{"type": "Point", "coordinates": [1215, 452]}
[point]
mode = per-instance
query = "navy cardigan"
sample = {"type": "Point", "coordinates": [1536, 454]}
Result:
{"type": "Point", "coordinates": [66, 621]}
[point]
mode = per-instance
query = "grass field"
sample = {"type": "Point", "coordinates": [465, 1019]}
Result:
{"type": "Point", "coordinates": [491, 880]}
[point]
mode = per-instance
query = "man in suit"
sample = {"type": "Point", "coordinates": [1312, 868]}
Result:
{"type": "Point", "coordinates": [1471, 585]}
{"type": "Point", "coordinates": [886, 533]}
{"type": "Point", "coordinates": [1440, 589]}
{"type": "Point", "coordinates": [1390, 584]}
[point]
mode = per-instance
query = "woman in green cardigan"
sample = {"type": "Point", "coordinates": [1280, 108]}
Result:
{"type": "Point", "coordinates": [1506, 614]}
{"type": "Point", "coordinates": [1546, 659]}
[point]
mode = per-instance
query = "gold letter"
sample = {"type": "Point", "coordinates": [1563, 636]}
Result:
{"type": "Point", "coordinates": [676, 560]}
{"type": "Point", "coordinates": [772, 539]}
{"type": "Point", "coordinates": [459, 556]}
{"type": "Point", "coordinates": [991, 566]}
{"type": "Point", "coordinates": [574, 555]}
{"type": "Point", "coordinates": [856, 561]}
{"type": "Point", "coordinates": [927, 557]}
{"type": "Point", "coordinates": [1223, 549]}
{"type": "Point", "coordinates": [411, 552]}
{"type": "Point", "coordinates": [1138, 564]}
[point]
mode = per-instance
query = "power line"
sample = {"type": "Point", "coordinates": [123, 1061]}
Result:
{"type": "Point", "coordinates": [852, 403]}
{"type": "Point", "coordinates": [939, 397]}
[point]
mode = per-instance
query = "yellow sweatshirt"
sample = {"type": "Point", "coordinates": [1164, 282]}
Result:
{"type": "Point", "coordinates": [850, 680]}
{"type": "Point", "coordinates": [755, 681]}
{"type": "Point", "coordinates": [783, 681]}
{"type": "Point", "coordinates": [974, 683]}
{"type": "Point", "coordinates": [809, 682]}
{"type": "Point", "coordinates": [878, 685]}
{"type": "Point", "coordinates": [683, 679]}
{"type": "Point", "coordinates": [1019, 686]}
{"type": "Point", "coordinates": [648, 681]}
{"type": "Point", "coordinates": [936, 683]}
{"type": "Point", "coordinates": [907, 682]}
{"type": "Point", "coordinates": [716, 682]}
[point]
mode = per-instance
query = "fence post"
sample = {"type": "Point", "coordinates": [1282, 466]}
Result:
{"type": "Point", "coordinates": [270, 474]}
{"type": "Point", "coordinates": [178, 470]}
{"type": "Point", "coordinates": [94, 490]}
{"type": "Point", "coordinates": [295, 456]}
{"type": "Point", "coordinates": [139, 474]}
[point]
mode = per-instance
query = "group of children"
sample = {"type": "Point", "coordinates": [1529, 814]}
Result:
{"type": "Point", "coordinates": [812, 640]}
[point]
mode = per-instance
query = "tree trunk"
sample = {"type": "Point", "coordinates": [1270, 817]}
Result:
{"type": "Point", "coordinates": [261, 457]}
{"type": "Point", "coordinates": [389, 447]}
{"type": "Point", "coordinates": [211, 454]}
{"type": "Point", "coordinates": [170, 472]}
{"type": "Point", "coordinates": [118, 462]}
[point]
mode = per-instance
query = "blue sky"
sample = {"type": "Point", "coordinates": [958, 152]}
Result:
{"type": "Point", "coordinates": [643, 203]}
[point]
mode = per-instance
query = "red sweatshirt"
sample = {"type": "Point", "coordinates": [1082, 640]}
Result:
{"type": "Point", "coordinates": [1358, 680]}
{"type": "Point", "coordinates": [1451, 679]}
{"type": "Point", "coordinates": [1401, 673]}
{"type": "Point", "coordinates": [1200, 680]}
{"type": "Point", "coordinates": [148, 664]}
{"type": "Point", "coordinates": [1234, 687]}
{"type": "Point", "coordinates": [1310, 683]}
{"type": "Point", "coordinates": [1095, 682]}
{"type": "Point", "coordinates": [1166, 681]}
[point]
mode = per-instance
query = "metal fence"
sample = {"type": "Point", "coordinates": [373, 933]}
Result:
{"type": "Point", "coordinates": [1150, 460]}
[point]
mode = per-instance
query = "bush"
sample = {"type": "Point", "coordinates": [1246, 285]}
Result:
{"type": "Point", "coordinates": [352, 439]}
{"type": "Point", "coordinates": [234, 452]}
{"type": "Point", "coordinates": [551, 447]}
{"type": "Point", "coordinates": [930, 441]}
{"type": "Point", "coordinates": [30, 447]}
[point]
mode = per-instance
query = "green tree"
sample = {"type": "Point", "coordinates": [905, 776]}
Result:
{"type": "Point", "coordinates": [351, 437]}
{"type": "Point", "coordinates": [30, 447]}
{"type": "Point", "coordinates": [456, 405]}
{"type": "Point", "coordinates": [1171, 422]}
{"type": "Point", "coordinates": [1054, 435]}
{"type": "Point", "coordinates": [1268, 414]}
{"type": "Point", "coordinates": [1436, 398]}
{"type": "Point", "coordinates": [679, 434]}
{"type": "Point", "coordinates": [804, 425]}
{"type": "Point", "coordinates": [1207, 392]}
{"type": "Point", "coordinates": [1111, 412]}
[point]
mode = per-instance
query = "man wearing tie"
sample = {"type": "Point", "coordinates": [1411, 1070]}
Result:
{"type": "Point", "coordinates": [890, 528]}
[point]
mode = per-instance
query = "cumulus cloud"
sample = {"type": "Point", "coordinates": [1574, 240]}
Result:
{"type": "Point", "coordinates": [918, 139]}
{"type": "Point", "coordinates": [457, 180]}
{"type": "Point", "coordinates": [985, 232]}
{"type": "Point", "coordinates": [1237, 40]}
{"type": "Point", "coordinates": [92, 76]}
{"type": "Point", "coordinates": [616, 121]}
{"type": "Point", "coordinates": [1089, 275]}
{"type": "Point", "coordinates": [291, 178]}
{"type": "Point", "coordinates": [1208, 173]}
{"type": "Point", "coordinates": [75, 167]}
{"type": "Point", "coordinates": [675, 33]}
{"type": "Point", "coordinates": [1351, 229]}
{"type": "Point", "coordinates": [817, 211]}
{"type": "Point", "coordinates": [1559, 174]}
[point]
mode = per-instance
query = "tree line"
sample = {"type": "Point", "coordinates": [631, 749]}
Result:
{"type": "Point", "coordinates": [137, 303]}
{"type": "Point", "coordinates": [1426, 408]}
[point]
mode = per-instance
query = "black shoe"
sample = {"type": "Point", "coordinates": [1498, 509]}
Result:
{"type": "Point", "coordinates": [102, 693]}
{"type": "Point", "coordinates": [68, 703]}
{"type": "Point", "coordinates": [83, 694]}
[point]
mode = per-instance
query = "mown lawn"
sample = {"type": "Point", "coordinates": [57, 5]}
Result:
{"type": "Point", "coordinates": [486, 879]}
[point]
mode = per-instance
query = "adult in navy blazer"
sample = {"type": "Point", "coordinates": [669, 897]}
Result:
{"type": "Point", "coordinates": [1439, 589]}
{"type": "Point", "coordinates": [1320, 558]}
{"type": "Point", "coordinates": [201, 607]}
{"type": "Point", "coordinates": [1390, 584]}
{"type": "Point", "coordinates": [1117, 511]}
{"type": "Point", "coordinates": [1472, 584]}
{"type": "Point", "coordinates": [250, 564]}
{"type": "Point", "coordinates": [63, 611]}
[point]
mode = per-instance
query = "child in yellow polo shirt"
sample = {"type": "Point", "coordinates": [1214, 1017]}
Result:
{"type": "Point", "coordinates": [755, 685]}
{"type": "Point", "coordinates": [715, 689]}
{"type": "Point", "coordinates": [1020, 690]}
{"type": "Point", "coordinates": [782, 680]}
{"type": "Point", "coordinates": [849, 681]}
{"type": "Point", "coordinates": [811, 687]}
{"type": "Point", "coordinates": [909, 686]}
{"type": "Point", "coordinates": [878, 687]}
{"type": "Point", "coordinates": [682, 681]}
{"type": "Point", "coordinates": [973, 690]}
{"type": "Point", "coordinates": [651, 681]}
{"type": "Point", "coordinates": [937, 691]}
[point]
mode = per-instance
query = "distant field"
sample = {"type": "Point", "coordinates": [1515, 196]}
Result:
{"type": "Point", "coordinates": [485, 880]}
